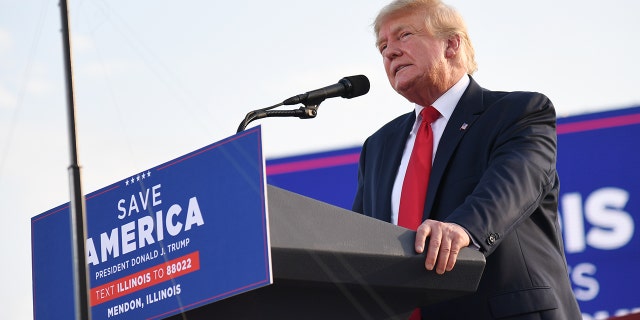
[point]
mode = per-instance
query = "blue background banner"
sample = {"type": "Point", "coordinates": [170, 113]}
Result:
{"type": "Point", "coordinates": [186, 233]}
{"type": "Point", "coordinates": [598, 158]}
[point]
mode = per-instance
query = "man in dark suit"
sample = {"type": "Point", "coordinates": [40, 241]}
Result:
{"type": "Point", "coordinates": [493, 183]}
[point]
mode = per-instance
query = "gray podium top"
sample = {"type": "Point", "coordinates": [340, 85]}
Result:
{"type": "Point", "coordinates": [331, 263]}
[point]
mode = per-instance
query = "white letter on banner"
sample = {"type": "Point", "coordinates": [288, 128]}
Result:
{"type": "Point", "coordinates": [128, 237]}
{"type": "Point", "coordinates": [109, 244]}
{"type": "Point", "coordinates": [573, 225]}
{"type": "Point", "coordinates": [582, 275]}
{"type": "Point", "coordinates": [173, 229]}
{"type": "Point", "coordinates": [133, 205]}
{"type": "Point", "coordinates": [613, 227]}
{"type": "Point", "coordinates": [145, 230]}
{"type": "Point", "coordinates": [121, 209]}
{"type": "Point", "coordinates": [144, 200]}
{"type": "Point", "coordinates": [92, 255]}
{"type": "Point", "coordinates": [156, 195]}
{"type": "Point", "coordinates": [160, 226]}
{"type": "Point", "coordinates": [193, 214]}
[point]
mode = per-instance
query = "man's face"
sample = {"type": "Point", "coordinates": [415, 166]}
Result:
{"type": "Point", "coordinates": [414, 60]}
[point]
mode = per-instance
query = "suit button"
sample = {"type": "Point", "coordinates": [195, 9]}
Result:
{"type": "Point", "coordinates": [492, 238]}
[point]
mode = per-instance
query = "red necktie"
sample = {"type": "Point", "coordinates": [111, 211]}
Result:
{"type": "Point", "coordinates": [416, 179]}
{"type": "Point", "coordinates": [414, 187]}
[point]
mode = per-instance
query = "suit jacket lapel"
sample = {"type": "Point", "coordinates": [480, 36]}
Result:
{"type": "Point", "coordinates": [391, 155]}
{"type": "Point", "coordinates": [466, 112]}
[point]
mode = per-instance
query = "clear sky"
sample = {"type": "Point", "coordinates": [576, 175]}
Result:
{"type": "Point", "coordinates": [157, 79]}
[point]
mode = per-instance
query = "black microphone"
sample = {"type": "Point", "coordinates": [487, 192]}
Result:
{"type": "Point", "coordinates": [347, 87]}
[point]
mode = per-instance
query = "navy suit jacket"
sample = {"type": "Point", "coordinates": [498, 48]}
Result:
{"type": "Point", "coordinates": [494, 173]}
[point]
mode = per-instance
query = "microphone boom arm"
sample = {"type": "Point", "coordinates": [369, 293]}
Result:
{"type": "Point", "coordinates": [307, 112]}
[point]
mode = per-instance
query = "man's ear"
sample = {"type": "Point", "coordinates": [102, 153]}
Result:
{"type": "Point", "coordinates": [453, 46]}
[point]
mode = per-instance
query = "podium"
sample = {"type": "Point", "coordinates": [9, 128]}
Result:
{"type": "Point", "coordinates": [331, 263]}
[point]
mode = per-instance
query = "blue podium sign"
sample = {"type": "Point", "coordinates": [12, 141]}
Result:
{"type": "Point", "coordinates": [189, 232]}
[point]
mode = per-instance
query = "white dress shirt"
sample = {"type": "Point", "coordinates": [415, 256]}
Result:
{"type": "Point", "coordinates": [445, 105]}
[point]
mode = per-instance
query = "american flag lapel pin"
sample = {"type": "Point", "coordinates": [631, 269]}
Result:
{"type": "Point", "coordinates": [464, 126]}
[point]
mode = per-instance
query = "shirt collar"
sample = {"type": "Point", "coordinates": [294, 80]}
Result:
{"type": "Point", "coordinates": [448, 101]}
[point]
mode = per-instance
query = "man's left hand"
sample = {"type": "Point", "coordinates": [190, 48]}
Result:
{"type": "Point", "coordinates": [445, 241]}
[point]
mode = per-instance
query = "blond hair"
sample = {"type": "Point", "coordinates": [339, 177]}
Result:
{"type": "Point", "coordinates": [441, 21]}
